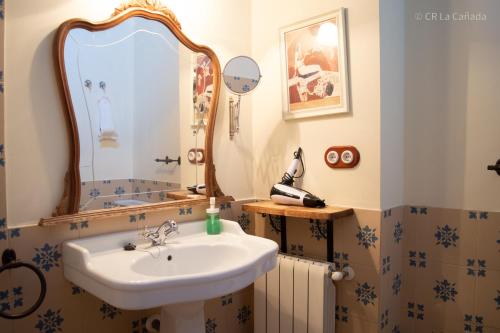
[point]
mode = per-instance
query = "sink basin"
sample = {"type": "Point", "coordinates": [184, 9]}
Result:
{"type": "Point", "coordinates": [190, 268]}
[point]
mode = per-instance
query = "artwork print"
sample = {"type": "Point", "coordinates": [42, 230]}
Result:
{"type": "Point", "coordinates": [314, 67]}
{"type": "Point", "coordinates": [203, 78]}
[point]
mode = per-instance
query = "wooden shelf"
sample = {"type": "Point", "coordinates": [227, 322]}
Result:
{"type": "Point", "coordinates": [329, 213]}
{"type": "Point", "coordinates": [181, 195]}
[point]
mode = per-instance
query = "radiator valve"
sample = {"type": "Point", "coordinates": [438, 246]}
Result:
{"type": "Point", "coordinates": [347, 273]}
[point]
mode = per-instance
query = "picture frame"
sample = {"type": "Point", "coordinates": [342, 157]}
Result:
{"type": "Point", "coordinates": [203, 77]}
{"type": "Point", "coordinates": [314, 62]}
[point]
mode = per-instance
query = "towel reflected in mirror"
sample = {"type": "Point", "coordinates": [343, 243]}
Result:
{"type": "Point", "coordinates": [107, 131]}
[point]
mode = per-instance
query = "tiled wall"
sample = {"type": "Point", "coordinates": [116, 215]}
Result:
{"type": "Point", "coordinates": [100, 194]}
{"type": "Point", "coordinates": [68, 308]}
{"type": "Point", "coordinates": [451, 270]}
{"type": "Point", "coordinates": [418, 269]}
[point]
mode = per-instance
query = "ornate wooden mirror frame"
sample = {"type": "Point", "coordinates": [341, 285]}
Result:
{"type": "Point", "coordinates": [67, 210]}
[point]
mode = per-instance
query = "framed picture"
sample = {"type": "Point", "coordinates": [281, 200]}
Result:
{"type": "Point", "coordinates": [314, 67]}
{"type": "Point", "coordinates": [203, 78]}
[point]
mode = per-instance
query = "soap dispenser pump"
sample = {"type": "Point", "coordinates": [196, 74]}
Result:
{"type": "Point", "coordinates": [213, 219]}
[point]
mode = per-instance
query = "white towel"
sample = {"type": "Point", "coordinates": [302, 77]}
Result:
{"type": "Point", "coordinates": [106, 125]}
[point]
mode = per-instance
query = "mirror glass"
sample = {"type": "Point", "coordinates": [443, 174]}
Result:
{"type": "Point", "coordinates": [140, 100]}
{"type": "Point", "coordinates": [241, 75]}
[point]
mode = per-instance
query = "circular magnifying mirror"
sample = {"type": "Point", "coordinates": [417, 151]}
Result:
{"type": "Point", "coordinates": [241, 75]}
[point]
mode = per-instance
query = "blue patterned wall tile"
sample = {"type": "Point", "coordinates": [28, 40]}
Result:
{"type": "Point", "coordinates": [78, 225]}
{"type": "Point", "coordinates": [474, 215]}
{"type": "Point", "coordinates": [342, 313]}
{"type": "Point", "coordinates": [244, 221]}
{"type": "Point", "coordinates": [396, 284]}
{"type": "Point", "coordinates": [210, 326]}
{"type": "Point", "coordinates": [446, 236]}
{"type": "Point", "coordinates": [366, 293]}
{"type": "Point", "coordinates": [275, 222]}
{"type": "Point", "coordinates": [476, 267]}
{"type": "Point", "coordinates": [94, 193]}
{"type": "Point", "coordinates": [2, 150]}
{"type": "Point", "coordinates": [418, 210]}
{"type": "Point", "coordinates": [297, 250]}
{"type": "Point", "coordinates": [11, 299]}
{"type": "Point", "coordinates": [14, 233]}
{"type": "Point", "coordinates": [386, 265]}
{"type": "Point", "coordinates": [50, 322]}
{"type": "Point", "coordinates": [47, 257]}
{"type": "Point", "coordinates": [398, 232]}
{"type": "Point", "coordinates": [366, 237]}
{"type": "Point", "coordinates": [75, 290]}
{"type": "Point", "coordinates": [318, 229]}
{"type": "Point", "coordinates": [384, 319]}
{"type": "Point", "coordinates": [227, 299]}
{"type": "Point", "coordinates": [139, 325]}
{"type": "Point", "coordinates": [340, 260]}
{"type": "Point", "coordinates": [138, 217]}
{"type": "Point", "coordinates": [473, 323]}
{"type": "Point", "coordinates": [119, 190]}
{"type": "Point", "coordinates": [244, 314]}
{"type": "Point", "coordinates": [225, 205]}
{"type": "Point", "coordinates": [109, 311]}
{"type": "Point", "coordinates": [416, 311]}
{"type": "Point", "coordinates": [445, 290]}
{"type": "Point", "coordinates": [417, 259]}
{"type": "Point", "coordinates": [185, 211]}
{"type": "Point", "coordinates": [3, 229]}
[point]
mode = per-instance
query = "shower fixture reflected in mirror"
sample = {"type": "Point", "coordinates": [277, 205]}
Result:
{"type": "Point", "coordinates": [241, 76]}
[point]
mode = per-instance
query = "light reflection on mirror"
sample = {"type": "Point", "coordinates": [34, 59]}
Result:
{"type": "Point", "coordinates": [140, 99]}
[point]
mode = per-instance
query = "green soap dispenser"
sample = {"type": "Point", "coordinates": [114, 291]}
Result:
{"type": "Point", "coordinates": [213, 219]}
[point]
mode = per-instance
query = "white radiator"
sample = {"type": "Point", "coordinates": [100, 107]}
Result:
{"type": "Point", "coordinates": [297, 296]}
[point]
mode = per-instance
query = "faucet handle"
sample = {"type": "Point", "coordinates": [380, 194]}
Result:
{"type": "Point", "coordinates": [170, 226]}
{"type": "Point", "coordinates": [144, 231]}
{"type": "Point", "coordinates": [174, 226]}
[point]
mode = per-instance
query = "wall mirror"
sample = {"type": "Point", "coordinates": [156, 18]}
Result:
{"type": "Point", "coordinates": [139, 95]}
{"type": "Point", "coordinates": [241, 76]}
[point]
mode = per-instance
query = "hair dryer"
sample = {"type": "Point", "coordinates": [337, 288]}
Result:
{"type": "Point", "coordinates": [284, 193]}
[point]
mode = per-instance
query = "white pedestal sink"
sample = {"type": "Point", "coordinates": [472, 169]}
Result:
{"type": "Point", "coordinates": [179, 276]}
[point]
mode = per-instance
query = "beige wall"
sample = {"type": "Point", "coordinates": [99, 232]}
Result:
{"type": "Point", "coordinates": [35, 129]}
{"type": "Point", "coordinates": [392, 76]}
{"type": "Point", "coordinates": [275, 140]}
{"type": "Point", "coordinates": [439, 154]}
{"type": "Point", "coordinates": [452, 107]}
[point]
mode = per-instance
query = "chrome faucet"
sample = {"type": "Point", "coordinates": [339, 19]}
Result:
{"type": "Point", "coordinates": [159, 236]}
